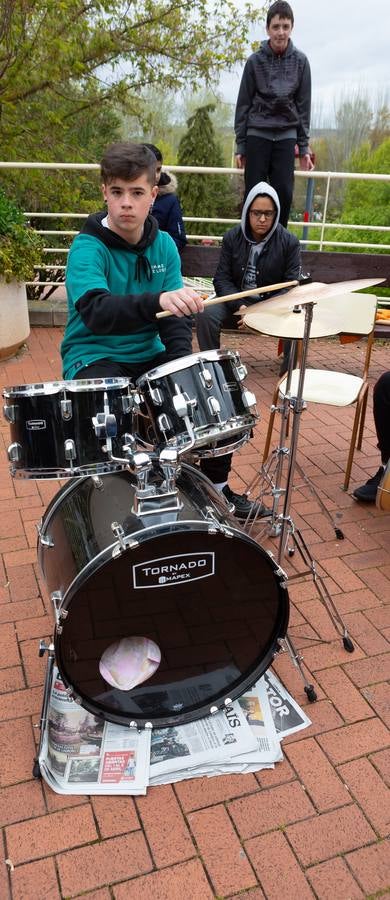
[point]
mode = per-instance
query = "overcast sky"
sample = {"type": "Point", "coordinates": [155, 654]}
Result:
{"type": "Point", "coordinates": [347, 43]}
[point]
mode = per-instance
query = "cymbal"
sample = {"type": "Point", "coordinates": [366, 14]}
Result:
{"type": "Point", "coordinates": [314, 291]}
{"type": "Point", "coordinates": [280, 320]}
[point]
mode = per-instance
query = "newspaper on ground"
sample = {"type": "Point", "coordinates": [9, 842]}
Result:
{"type": "Point", "coordinates": [82, 754]}
{"type": "Point", "coordinates": [212, 740]}
{"type": "Point", "coordinates": [287, 715]}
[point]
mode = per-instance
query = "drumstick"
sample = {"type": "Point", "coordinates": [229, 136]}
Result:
{"type": "Point", "coordinates": [264, 289]}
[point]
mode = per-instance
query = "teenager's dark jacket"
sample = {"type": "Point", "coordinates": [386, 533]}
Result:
{"type": "Point", "coordinates": [279, 258]}
{"type": "Point", "coordinates": [274, 95]}
{"type": "Point", "coordinates": [113, 290]}
{"type": "Point", "coordinates": [167, 210]}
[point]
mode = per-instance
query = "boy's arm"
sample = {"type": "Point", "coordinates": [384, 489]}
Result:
{"type": "Point", "coordinates": [104, 312]}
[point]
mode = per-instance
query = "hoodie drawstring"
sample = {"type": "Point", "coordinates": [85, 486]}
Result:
{"type": "Point", "coordinates": [143, 268]}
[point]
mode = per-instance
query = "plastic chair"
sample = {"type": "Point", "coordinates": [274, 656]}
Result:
{"type": "Point", "coordinates": [338, 388]}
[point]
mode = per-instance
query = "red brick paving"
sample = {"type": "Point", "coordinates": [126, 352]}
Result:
{"type": "Point", "coordinates": [316, 825]}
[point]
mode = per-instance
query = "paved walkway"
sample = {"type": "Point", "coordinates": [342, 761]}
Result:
{"type": "Point", "coordinates": [315, 826]}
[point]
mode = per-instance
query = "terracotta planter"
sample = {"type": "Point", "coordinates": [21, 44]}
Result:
{"type": "Point", "coordinates": [14, 320]}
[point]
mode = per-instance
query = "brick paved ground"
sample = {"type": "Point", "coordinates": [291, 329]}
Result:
{"type": "Point", "coordinates": [315, 826]}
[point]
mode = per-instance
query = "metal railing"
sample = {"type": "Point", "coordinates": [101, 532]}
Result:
{"type": "Point", "coordinates": [322, 226]}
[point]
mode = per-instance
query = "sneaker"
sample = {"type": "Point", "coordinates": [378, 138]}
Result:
{"type": "Point", "coordinates": [367, 491]}
{"type": "Point", "coordinates": [243, 507]}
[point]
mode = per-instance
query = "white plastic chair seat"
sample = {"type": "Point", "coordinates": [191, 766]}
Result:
{"type": "Point", "coordinates": [321, 386]}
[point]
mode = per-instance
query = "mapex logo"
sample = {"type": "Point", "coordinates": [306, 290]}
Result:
{"type": "Point", "coordinates": [36, 424]}
{"type": "Point", "coordinates": [173, 570]}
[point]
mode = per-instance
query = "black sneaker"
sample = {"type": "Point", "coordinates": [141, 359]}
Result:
{"type": "Point", "coordinates": [367, 492]}
{"type": "Point", "coordinates": [243, 507]}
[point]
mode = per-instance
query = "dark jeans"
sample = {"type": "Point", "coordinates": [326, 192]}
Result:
{"type": "Point", "coordinates": [272, 161]}
{"type": "Point", "coordinates": [217, 469]}
{"type": "Point", "coordinates": [109, 368]}
{"type": "Point", "coordinates": [381, 395]}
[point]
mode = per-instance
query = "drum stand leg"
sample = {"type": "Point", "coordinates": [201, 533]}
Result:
{"type": "Point", "coordinates": [43, 648]}
{"type": "Point", "coordinates": [282, 525]}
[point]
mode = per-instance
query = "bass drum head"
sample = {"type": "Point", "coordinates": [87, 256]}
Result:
{"type": "Point", "coordinates": [212, 607]}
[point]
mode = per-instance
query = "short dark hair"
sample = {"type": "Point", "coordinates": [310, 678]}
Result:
{"type": "Point", "coordinates": [156, 151]}
{"type": "Point", "coordinates": [281, 9]}
{"type": "Point", "coordinates": [128, 161]}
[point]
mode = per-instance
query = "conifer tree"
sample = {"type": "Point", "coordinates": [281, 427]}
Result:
{"type": "Point", "coordinates": [204, 195]}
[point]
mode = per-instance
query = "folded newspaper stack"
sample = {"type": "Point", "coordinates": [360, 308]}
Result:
{"type": "Point", "coordinates": [82, 754]}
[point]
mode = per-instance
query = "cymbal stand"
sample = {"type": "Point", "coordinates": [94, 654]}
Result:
{"type": "Point", "coordinates": [282, 525]}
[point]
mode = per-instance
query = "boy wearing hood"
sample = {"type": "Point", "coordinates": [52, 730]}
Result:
{"type": "Point", "coordinates": [258, 251]}
{"type": "Point", "coordinates": [273, 110]}
{"type": "Point", "coordinates": [121, 271]}
{"type": "Point", "coordinates": [166, 207]}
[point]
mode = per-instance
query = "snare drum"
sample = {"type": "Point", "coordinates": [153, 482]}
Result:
{"type": "Point", "coordinates": [383, 492]}
{"type": "Point", "coordinates": [63, 429]}
{"type": "Point", "coordinates": [200, 402]}
{"type": "Point", "coordinates": [181, 583]}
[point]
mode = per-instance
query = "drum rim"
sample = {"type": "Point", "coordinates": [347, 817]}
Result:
{"type": "Point", "coordinates": [185, 362]}
{"type": "Point", "coordinates": [49, 388]}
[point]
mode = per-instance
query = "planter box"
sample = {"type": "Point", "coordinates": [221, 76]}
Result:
{"type": "Point", "coordinates": [14, 319]}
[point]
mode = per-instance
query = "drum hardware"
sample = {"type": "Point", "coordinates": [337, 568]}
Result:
{"type": "Point", "coordinates": [282, 525]}
{"type": "Point", "coordinates": [210, 656]}
{"type": "Point", "coordinates": [70, 450]}
{"type": "Point", "coordinates": [9, 412]}
{"type": "Point", "coordinates": [46, 540]}
{"type": "Point", "coordinates": [66, 409]}
{"type": "Point", "coordinates": [119, 533]}
{"type": "Point", "coordinates": [56, 596]}
{"type": "Point", "coordinates": [55, 424]}
{"type": "Point", "coordinates": [14, 453]}
{"type": "Point", "coordinates": [215, 408]}
{"type": "Point", "coordinates": [205, 375]}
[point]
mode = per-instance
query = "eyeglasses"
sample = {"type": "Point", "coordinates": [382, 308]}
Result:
{"type": "Point", "coordinates": [260, 213]}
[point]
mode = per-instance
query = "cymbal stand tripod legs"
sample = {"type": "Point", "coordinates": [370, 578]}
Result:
{"type": "Point", "coordinates": [290, 537]}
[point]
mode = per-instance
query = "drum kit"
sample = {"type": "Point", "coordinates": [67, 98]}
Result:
{"type": "Point", "coordinates": [166, 608]}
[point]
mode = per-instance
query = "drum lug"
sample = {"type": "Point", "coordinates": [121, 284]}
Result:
{"type": "Point", "coordinates": [98, 482]}
{"type": "Point", "coordinates": [248, 399]}
{"type": "Point", "coordinates": [164, 423]}
{"type": "Point", "coordinates": [169, 462]}
{"type": "Point", "coordinates": [127, 403]}
{"type": "Point", "coordinates": [156, 396]}
{"type": "Point", "coordinates": [214, 407]}
{"type": "Point", "coordinates": [45, 541]}
{"type": "Point", "coordinates": [69, 447]}
{"type": "Point", "coordinates": [56, 599]}
{"type": "Point", "coordinates": [117, 529]}
{"type": "Point", "coordinates": [205, 376]}
{"type": "Point", "coordinates": [241, 371]}
{"type": "Point", "coordinates": [213, 710]}
{"type": "Point", "coordinates": [10, 413]}
{"type": "Point", "coordinates": [14, 452]}
{"type": "Point", "coordinates": [66, 409]}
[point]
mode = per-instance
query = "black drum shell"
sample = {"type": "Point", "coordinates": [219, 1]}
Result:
{"type": "Point", "coordinates": [186, 375]}
{"type": "Point", "coordinates": [40, 430]}
{"type": "Point", "coordinates": [217, 633]}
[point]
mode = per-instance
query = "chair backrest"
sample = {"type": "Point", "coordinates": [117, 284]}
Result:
{"type": "Point", "coordinates": [356, 314]}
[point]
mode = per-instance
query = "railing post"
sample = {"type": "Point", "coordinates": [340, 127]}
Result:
{"type": "Point", "coordinates": [325, 211]}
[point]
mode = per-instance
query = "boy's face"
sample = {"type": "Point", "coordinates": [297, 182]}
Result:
{"type": "Point", "coordinates": [262, 214]}
{"type": "Point", "coordinates": [279, 31]}
{"type": "Point", "coordinates": [128, 204]}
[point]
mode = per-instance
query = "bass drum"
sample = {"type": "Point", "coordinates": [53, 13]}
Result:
{"type": "Point", "coordinates": [176, 598]}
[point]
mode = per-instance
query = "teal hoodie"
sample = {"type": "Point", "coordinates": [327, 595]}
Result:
{"type": "Point", "coordinates": [113, 290]}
